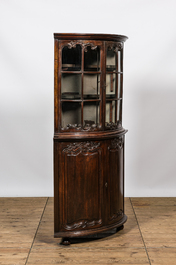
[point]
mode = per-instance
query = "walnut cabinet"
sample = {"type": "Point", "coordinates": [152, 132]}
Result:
{"type": "Point", "coordinates": [88, 134]}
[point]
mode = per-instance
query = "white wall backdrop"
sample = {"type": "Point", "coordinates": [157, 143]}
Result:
{"type": "Point", "coordinates": [26, 89]}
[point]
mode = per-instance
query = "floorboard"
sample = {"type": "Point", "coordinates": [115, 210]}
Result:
{"type": "Point", "coordinates": [148, 237]}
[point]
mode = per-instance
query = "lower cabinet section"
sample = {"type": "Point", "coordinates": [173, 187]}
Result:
{"type": "Point", "coordinates": [88, 186]}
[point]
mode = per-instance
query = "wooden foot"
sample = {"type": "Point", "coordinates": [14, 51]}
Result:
{"type": "Point", "coordinates": [120, 228]}
{"type": "Point", "coordinates": [65, 241]}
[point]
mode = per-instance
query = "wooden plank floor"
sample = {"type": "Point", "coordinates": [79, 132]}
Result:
{"type": "Point", "coordinates": [149, 236]}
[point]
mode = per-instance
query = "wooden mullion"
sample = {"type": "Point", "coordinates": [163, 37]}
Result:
{"type": "Point", "coordinates": [116, 88]}
{"type": "Point", "coordinates": [59, 85]}
{"type": "Point", "coordinates": [121, 84]}
{"type": "Point", "coordinates": [121, 60]}
{"type": "Point", "coordinates": [91, 100]}
{"type": "Point", "coordinates": [82, 84]}
{"type": "Point", "coordinates": [116, 111]}
{"type": "Point", "coordinates": [56, 47]}
{"type": "Point", "coordinates": [71, 100]}
{"type": "Point", "coordinates": [71, 72]}
{"type": "Point", "coordinates": [92, 72]}
{"type": "Point", "coordinates": [103, 84]}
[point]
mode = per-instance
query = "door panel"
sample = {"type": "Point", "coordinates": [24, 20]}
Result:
{"type": "Point", "coordinates": [115, 180]}
{"type": "Point", "coordinates": [82, 186]}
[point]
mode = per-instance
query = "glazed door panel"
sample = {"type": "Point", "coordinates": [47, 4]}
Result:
{"type": "Point", "coordinates": [80, 85]}
{"type": "Point", "coordinates": [82, 186]}
{"type": "Point", "coordinates": [115, 180]}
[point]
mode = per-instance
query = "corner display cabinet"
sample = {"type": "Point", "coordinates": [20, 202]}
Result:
{"type": "Point", "coordinates": [88, 134]}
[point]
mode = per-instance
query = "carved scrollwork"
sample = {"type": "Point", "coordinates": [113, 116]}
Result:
{"type": "Point", "coordinates": [92, 46]}
{"type": "Point", "coordinates": [73, 44]}
{"type": "Point", "coordinates": [116, 215]}
{"type": "Point", "coordinates": [113, 126]}
{"type": "Point", "coordinates": [85, 147]}
{"type": "Point", "coordinates": [79, 127]}
{"type": "Point", "coordinates": [116, 144]}
{"type": "Point", "coordinates": [115, 46]}
{"type": "Point", "coordinates": [82, 224]}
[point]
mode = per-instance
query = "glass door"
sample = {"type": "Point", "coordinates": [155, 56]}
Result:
{"type": "Point", "coordinates": [81, 93]}
{"type": "Point", "coordinates": [114, 79]}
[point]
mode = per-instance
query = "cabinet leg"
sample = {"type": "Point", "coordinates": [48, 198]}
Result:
{"type": "Point", "coordinates": [119, 228]}
{"type": "Point", "coordinates": [65, 241]}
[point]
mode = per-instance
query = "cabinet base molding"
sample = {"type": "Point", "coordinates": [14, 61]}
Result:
{"type": "Point", "coordinates": [118, 225]}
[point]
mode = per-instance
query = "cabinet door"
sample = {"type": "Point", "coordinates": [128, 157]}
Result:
{"type": "Point", "coordinates": [82, 186]}
{"type": "Point", "coordinates": [115, 180]}
{"type": "Point", "coordinates": [114, 85]}
{"type": "Point", "coordinates": [80, 82]}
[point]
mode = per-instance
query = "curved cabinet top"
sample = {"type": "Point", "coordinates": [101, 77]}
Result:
{"type": "Point", "coordinates": [90, 36]}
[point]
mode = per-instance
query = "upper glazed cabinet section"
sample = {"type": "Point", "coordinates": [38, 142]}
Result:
{"type": "Point", "coordinates": [88, 85]}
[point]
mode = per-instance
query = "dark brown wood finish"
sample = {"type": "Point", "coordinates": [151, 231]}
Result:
{"type": "Point", "coordinates": [88, 157]}
{"type": "Point", "coordinates": [90, 36]}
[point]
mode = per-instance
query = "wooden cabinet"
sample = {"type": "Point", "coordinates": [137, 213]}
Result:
{"type": "Point", "coordinates": [88, 134]}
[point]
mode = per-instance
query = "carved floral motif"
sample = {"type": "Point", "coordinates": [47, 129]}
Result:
{"type": "Point", "coordinates": [116, 143]}
{"type": "Point", "coordinates": [78, 127]}
{"type": "Point", "coordinates": [82, 224]}
{"type": "Point", "coordinates": [113, 126]}
{"type": "Point", "coordinates": [115, 46]}
{"type": "Point", "coordinates": [116, 215]}
{"type": "Point", "coordinates": [93, 47]}
{"type": "Point", "coordinates": [73, 44]}
{"type": "Point", "coordinates": [75, 148]}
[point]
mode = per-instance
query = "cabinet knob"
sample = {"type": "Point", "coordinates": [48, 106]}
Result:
{"type": "Point", "coordinates": [106, 184]}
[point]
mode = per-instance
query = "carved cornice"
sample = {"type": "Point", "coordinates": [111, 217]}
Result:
{"type": "Point", "coordinates": [85, 147]}
{"type": "Point", "coordinates": [116, 215]}
{"type": "Point", "coordinates": [82, 224]}
{"type": "Point", "coordinates": [116, 143]}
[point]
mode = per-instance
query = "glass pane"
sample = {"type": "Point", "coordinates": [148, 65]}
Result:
{"type": "Point", "coordinates": [91, 114]}
{"type": "Point", "coordinates": [110, 60]}
{"type": "Point", "coordinates": [71, 115]}
{"type": "Point", "coordinates": [111, 85]}
{"type": "Point", "coordinates": [71, 58]}
{"type": "Point", "coordinates": [92, 59]}
{"type": "Point", "coordinates": [91, 86]}
{"type": "Point", "coordinates": [71, 86]}
{"type": "Point", "coordinates": [110, 112]}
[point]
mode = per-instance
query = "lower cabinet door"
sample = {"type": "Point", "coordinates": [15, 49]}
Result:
{"type": "Point", "coordinates": [115, 179]}
{"type": "Point", "coordinates": [82, 185]}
